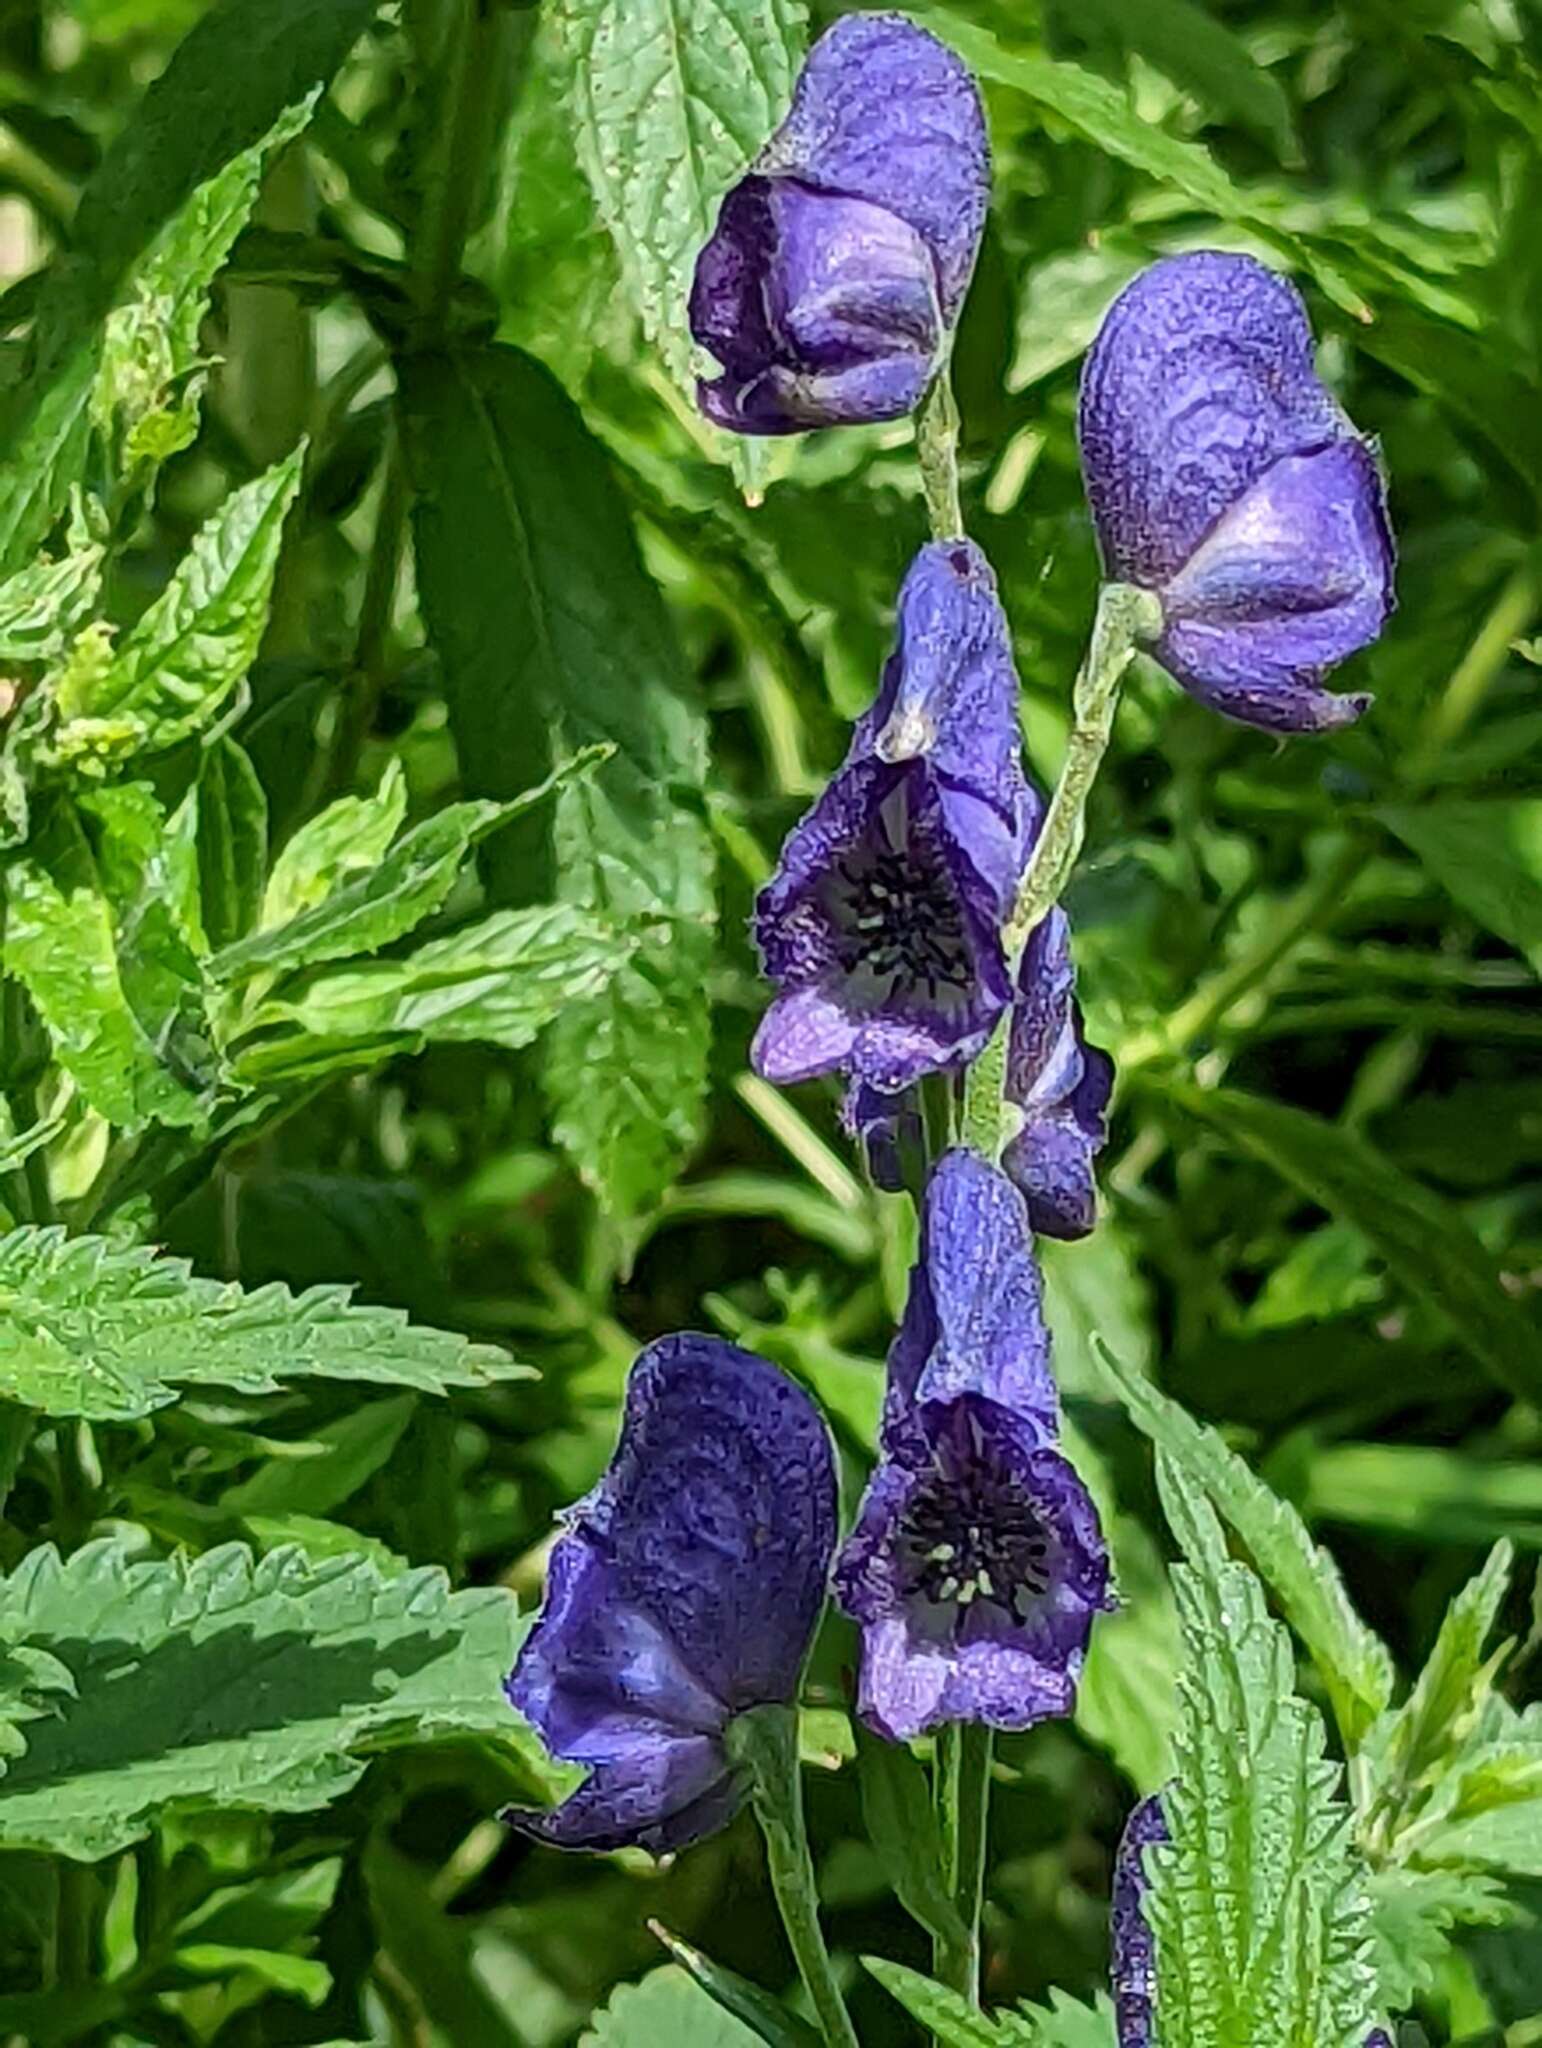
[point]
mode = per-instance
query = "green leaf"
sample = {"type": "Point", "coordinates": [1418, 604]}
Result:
{"type": "Point", "coordinates": [671, 99]}
{"type": "Point", "coordinates": [348, 837]}
{"type": "Point", "coordinates": [902, 1827]}
{"type": "Point", "coordinates": [665, 2007]}
{"type": "Point", "coordinates": [1428, 1247]}
{"type": "Point", "coordinates": [409, 883]}
{"type": "Point", "coordinates": [1487, 855]}
{"type": "Point", "coordinates": [59, 943]}
{"type": "Point", "coordinates": [16, 1149]}
{"type": "Point", "coordinates": [347, 1452]}
{"type": "Point", "coordinates": [765, 2016]}
{"type": "Point", "coordinates": [1258, 1906]}
{"type": "Point", "coordinates": [232, 843]}
{"type": "Point", "coordinates": [1198, 53]}
{"type": "Point", "coordinates": [46, 457]}
{"type": "Point", "coordinates": [41, 606]}
{"type": "Point", "coordinates": [1412, 1915]}
{"type": "Point", "coordinates": [1356, 1666]}
{"type": "Point", "coordinates": [147, 388]}
{"type": "Point", "coordinates": [536, 599]}
{"type": "Point", "coordinates": [227, 83]}
{"type": "Point", "coordinates": [1066, 2023]}
{"type": "Point", "coordinates": [1453, 1686]}
{"type": "Point", "coordinates": [111, 1334]}
{"type": "Point", "coordinates": [433, 1952]}
{"type": "Point", "coordinates": [498, 982]}
{"type": "Point", "coordinates": [197, 641]}
{"type": "Point", "coordinates": [1422, 1491]}
{"type": "Point", "coordinates": [227, 1680]}
{"type": "Point", "coordinates": [1486, 1807]}
{"type": "Point", "coordinates": [951, 2019]}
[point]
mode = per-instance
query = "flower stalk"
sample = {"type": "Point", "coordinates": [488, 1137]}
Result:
{"type": "Point", "coordinates": [764, 1744]}
{"type": "Point", "coordinates": [963, 1799]}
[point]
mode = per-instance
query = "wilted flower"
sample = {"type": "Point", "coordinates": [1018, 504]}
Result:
{"type": "Point", "coordinates": [882, 924]}
{"type": "Point", "coordinates": [839, 263]}
{"type": "Point", "coordinates": [977, 1562]}
{"type": "Point", "coordinates": [684, 1590]}
{"type": "Point", "coordinates": [1224, 476]}
{"type": "Point", "coordinates": [1132, 1959]}
{"type": "Point", "coordinates": [1060, 1084]}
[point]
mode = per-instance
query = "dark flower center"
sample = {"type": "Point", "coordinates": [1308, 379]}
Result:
{"type": "Point", "coordinates": [975, 1536]}
{"type": "Point", "coordinates": [896, 911]}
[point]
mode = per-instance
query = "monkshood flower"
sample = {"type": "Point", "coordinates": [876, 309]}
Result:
{"type": "Point", "coordinates": [1223, 475]}
{"type": "Point", "coordinates": [1059, 1084]}
{"type": "Point", "coordinates": [838, 265]}
{"type": "Point", "coordinates": [977, 1563]}
{"type": "Point", "coordinates": [882, 924]}
{"type": "Point", "coordinates": [884, 1125]}
{"type": "Point", "coordinates": [683, 1590]}
{"type": "Point", "coordinates": [1132, 1961]}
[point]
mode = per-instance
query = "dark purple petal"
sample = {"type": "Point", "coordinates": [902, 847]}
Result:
{"type": "Point", "coordinates": [884, 1126]}
{"type": "Point", "coordinates": [684, 1589]}
{"type": "Point", "coordinates": [1223, 475]}
{"type": "Point", "coordinates": [838, 263]}
{"type": "Point", "coordinates": [881, 925]}
{"type": "Point", "coordinates": [975, 1569]}
{"type": "Point", "coordinates": [974, 1316]}
{"type": "Point", "coordinates": [1060, 1084]}
{"type": "Point", "coordinates": [664, 1794]}
{"type": "Point", "coordinates": [1133, 1950]}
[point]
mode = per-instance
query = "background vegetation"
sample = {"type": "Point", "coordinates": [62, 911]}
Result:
{"type": "Point", "coordinates": [1315, 964]}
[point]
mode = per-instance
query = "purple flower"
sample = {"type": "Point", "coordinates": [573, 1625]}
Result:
{"type": "Point", "coordinates": [884, 1126]}
{"type": "Point", "coordinates": [882, 924]}
{"type": "Point", "coordinates": [684, 1589]}
{"type": "Point", "coordinates": [977, 1562]}
{"type": "Point", "coordinates": [1133, 1951]}
{"type": "Point", "coordinates": [839, 263]}
{"type": "Point", "coordinates": [1132, 1961]}
{"type": "Point", "coordinates": [1223, 475]}
{"type": "Point", "coordinates": [1060, 1084]}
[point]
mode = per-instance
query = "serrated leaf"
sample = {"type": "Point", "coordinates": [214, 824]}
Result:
{"type": "Point", "coordinates": [347, 837]}
{"type": "Point", "coordinates": [1450, 1690]}
{"type": "Point", "coordinates": [232, 843]}
{"type": "Point", "coordinates": [87, 1329]}
{"type": "Point", "coordinates": [670, 100]}
{"type": "Point", "coordinates": [1428, 1246]}
{"type": "Point", "coordinates": [1486, 1805]}
{"type": "Point", "coordinates": [41, 606]}
{"type": "Point", "coordinates": [197, 640]}
{"type": "Point", "coordinates": [228, 1680]}
{"type": "Point", "coordinates": [1356, 1666]}
{"type": "Point", "coordinates": [1065, 2023]}
{"type": "Point", "coordinates": [901, 1823]}
{"type": "Point", "coordinates": [535, 597]}
{"type": "Point", "coordinates": [665, 2007]}
{"type": "Point", "coordinates": [499, 982]}
{"type": "Point", "coordinates": [44, 460]}
{"type": "Point", "coordinates": [409, 883]}
{"type": "Point", "coordinates": [146, 390]}
{"type": "Point", "coordinates": [59, 943]}
{"type": "Point", "coordinates": [1487, 855]}
{"type": "Point", "coordinates": [1257, 1905]}
{"type": "Point", "coordinates": [951, 2019]}
{"type": "Point", "coordinates": [1412, 1915]}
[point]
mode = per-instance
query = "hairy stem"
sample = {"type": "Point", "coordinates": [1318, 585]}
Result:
{"type": "Point", "coordinates": [765, 1743]}
{"type": "Point", "coordinates": [937, 454]}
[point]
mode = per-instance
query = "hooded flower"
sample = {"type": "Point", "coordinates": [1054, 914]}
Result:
{"type": "Point", "coordinates": [1061, 1086]}
{"type": "Point", "coordinates": [882, 924]}
{"type": "Point", "coordinates": [1132, 1958]}
{"type": "Point", "coordinates": [839, 263]}
{"type": "Point", "coordinates": [977, 1562]}
{"type": "Point", "coordinates": [1223, 475]}
{"type": "Point", "coordinates": [884, 1126]}
{"type": "Point", "coordinates": [683, 1590]}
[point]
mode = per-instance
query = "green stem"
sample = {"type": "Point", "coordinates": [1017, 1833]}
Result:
{"type": "Point", "coordinates": [1125, 616]}
{"type": "Point", "coordinates": [764, 1742]}
{"type": "Point", "coordinates": [937, 454]}
{"type": "Point", "coordinates": [963, 1801]}
{"type": "Point", "coordinates": [467, 69]}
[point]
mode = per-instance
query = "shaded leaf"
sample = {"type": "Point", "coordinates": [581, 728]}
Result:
{"type": "Point", "coordinates": [902, 1827]}
{"type": "Point", "coordinates": [1487, 855]}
